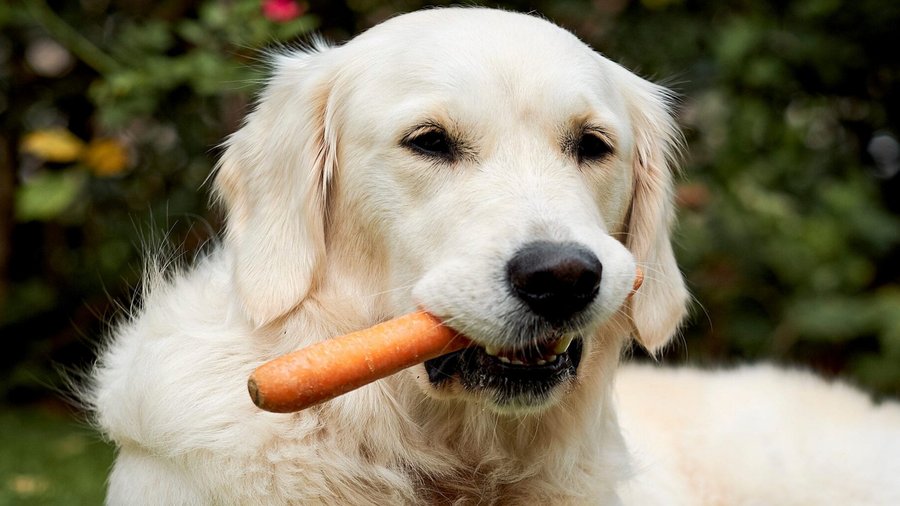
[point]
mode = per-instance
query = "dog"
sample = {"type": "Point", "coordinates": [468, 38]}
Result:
{"type": "Point", "coordinates": [492, 169]}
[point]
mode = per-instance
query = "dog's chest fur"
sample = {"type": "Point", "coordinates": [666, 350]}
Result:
{"type": "Point", "coordinates": [469, 456]}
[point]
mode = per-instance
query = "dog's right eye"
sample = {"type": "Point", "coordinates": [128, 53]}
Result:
{"type": "Point", "coordinates": [432, 143]}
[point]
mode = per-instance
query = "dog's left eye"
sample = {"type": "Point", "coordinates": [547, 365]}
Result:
{"type": "Point", "coordinates": [432, 143]}
{"type": "Point", "coordinates": [592, 147]}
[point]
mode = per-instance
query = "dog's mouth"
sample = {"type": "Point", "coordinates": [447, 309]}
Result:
{"type": "Point", "coordinates": [514, 378]}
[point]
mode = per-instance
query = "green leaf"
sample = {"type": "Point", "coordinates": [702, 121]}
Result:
{"type": "Point", "coordinates": [48, 195]}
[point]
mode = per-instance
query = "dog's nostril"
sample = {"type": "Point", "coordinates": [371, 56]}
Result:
{"type": "Point", "coordinates": [555, 280]}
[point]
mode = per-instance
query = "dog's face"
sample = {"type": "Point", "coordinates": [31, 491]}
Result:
{"type": "Point", "coordinates": [485, 166]}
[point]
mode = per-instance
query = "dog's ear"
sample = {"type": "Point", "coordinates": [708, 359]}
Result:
{"type": "Point", "coordinates": [658, 307]}
{"type": "Point", "coordinates": [272, 179]}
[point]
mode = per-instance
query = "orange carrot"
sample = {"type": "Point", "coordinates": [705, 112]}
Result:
{"type": "Point", "coordinates": [330, 368]}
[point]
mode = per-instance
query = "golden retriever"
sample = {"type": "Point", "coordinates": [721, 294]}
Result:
{"type": "Point", "coordinates": [492, 169]}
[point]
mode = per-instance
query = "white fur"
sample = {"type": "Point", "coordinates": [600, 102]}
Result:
{"type": "Point", "coordinates": [334, 225]}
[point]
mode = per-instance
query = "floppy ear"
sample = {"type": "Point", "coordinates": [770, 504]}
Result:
{"type": "Point", "coordinates": [272, 180]}
{"type": "Point", "coordinates": [659, 305]}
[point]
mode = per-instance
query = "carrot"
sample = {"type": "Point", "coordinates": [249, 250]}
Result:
{"type": "Point", "coordinates": [327, 369]}
{"type": "Point", "coordinates": [330, 368]}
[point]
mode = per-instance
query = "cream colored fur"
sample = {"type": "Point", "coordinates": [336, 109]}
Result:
{"type": "Point", "coordinates": [334, 225]}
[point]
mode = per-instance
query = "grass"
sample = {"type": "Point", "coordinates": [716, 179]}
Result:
{"type": "Point", "coordinates": [48, 458]}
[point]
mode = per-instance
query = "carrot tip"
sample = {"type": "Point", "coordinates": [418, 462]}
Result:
{"type": "Point", "coordinates": [638, 280]}
{"type": "Point", "coordinates": [254, 392]}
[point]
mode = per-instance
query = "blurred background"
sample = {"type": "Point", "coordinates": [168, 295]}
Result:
{"type": "Point", "coordinates": [111, 112]}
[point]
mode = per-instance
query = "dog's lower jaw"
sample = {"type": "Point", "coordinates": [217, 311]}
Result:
{"type": "Point", "coordinates": [562, 455]}
{"type": "Point", "coordinates": [504, 387]}
{"type": "Point", "coordinates": [514, 457]}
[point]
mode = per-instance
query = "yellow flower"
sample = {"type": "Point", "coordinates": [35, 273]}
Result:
{"type": "Point", "coordinates": [55, 145]}
{"type": "Point", "coordinates": [105, 157]}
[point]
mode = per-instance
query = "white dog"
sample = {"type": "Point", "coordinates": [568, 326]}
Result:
{"type": "Point", "coordinates": [492, 169]}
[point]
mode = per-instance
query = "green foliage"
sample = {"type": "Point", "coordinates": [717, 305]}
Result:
{"type": "Point", "coordinates": [119, 132]}
{"type": "Point", "coordinates": [47, 195]}
{"type": "Point", "coordinates": [207, 55]}
{"type": "Point", "coordinates": [792, 254]}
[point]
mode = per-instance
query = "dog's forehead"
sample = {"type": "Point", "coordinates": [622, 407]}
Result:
{"type": "Point", "coordinates": [468, 30]}
{"type": "Point", "coordinates": [476, 59]}
{"type": "Point", "coordinates": [471, 43]}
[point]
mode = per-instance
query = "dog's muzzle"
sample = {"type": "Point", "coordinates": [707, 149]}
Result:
{"type": "Point", "coordinates": [554, 283]}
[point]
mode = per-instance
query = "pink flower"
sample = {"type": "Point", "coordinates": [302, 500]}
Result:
{"type": "Point", "coordinates": [282, 11]}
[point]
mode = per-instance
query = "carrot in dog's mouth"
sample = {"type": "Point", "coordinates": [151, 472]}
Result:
{"type": "Point", "coordinates": [330, 368]}
{"type": "Point", "coordinates": [327, 369]}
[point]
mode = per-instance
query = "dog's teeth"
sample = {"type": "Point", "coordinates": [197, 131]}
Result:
{"type": "Point", "coordinates": [516, 361]}
{"type": "Point", "coordinates": [551, 358]}
{"type": "Point", "coordinates": [492, 350]}
{"type": "Point", "coordinates": [504, 360]}
{"type": "Point", "coordinates": [563, 344]}
{"type": "Point", "coordinates": [541, 361]}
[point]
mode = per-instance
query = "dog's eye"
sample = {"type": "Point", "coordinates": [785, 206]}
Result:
{"type": "Point", "coordinates": [432, 143]}
{"type": "Point", "coordinates": [591, 147]}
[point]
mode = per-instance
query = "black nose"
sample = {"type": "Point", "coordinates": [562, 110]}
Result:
{"type": "Point", "coordinates": [555, 280]}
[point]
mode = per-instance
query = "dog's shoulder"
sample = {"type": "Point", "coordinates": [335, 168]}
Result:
{"type": "Point", "coordinates": [170, 389]}
{"type": "Point", "coordinates": [178, 362]}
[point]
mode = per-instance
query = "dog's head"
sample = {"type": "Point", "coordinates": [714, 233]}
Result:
{"type": "Point", "coordinates": [483, 165]}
